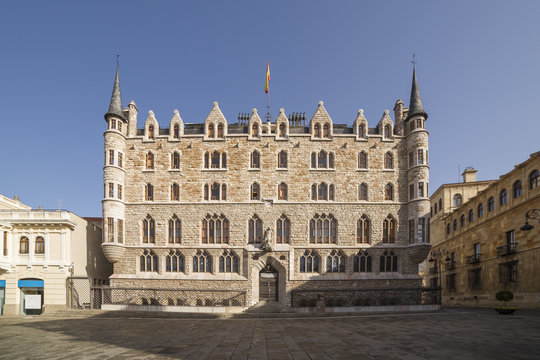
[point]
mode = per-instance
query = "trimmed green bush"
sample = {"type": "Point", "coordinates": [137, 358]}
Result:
{"type": "Point", "coordinates": [504, 295]}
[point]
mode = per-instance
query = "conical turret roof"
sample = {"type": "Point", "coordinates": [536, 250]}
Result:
{"type": "Point", "coordinates": [415, 104]}
{"type": "Point", "coordinates": [115, 108]}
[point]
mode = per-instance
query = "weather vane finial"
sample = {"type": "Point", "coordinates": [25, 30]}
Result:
{"type": "Point", "coordinates": [117, 56]}
{"type": "Point", "coordinates": [413, 59]}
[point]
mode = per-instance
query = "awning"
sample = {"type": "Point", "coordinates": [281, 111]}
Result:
{"type": "Point", "coordinates": [2, 283]}
{"type": "Point", "coordinates": [30, 283]}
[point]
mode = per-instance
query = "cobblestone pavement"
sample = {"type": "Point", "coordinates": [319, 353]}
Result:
{"type": "Point", "coordinates": [449, 334]}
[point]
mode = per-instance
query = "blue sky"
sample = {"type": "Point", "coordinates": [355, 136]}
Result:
{"type": "Point", "coordinates": [478, 71]}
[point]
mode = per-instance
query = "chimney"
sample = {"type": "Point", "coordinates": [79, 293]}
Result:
{"type": "Point", "coordinates": [469, 175]}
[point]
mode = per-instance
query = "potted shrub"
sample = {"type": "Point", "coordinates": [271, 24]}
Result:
{"type": "Point", "coordinates": [506, 296]}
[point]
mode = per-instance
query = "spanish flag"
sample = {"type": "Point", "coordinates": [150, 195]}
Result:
{"type": "Point", "coordinates": [267, 82]}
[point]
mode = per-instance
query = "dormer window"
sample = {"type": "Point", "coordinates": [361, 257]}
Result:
{"type": "Point", "coordinates": [361, 130]}
{"type": "Point", "coordinates": [326, 130]}
{"type": "Point", "coordinates": [211, 131]}
{"type": "Point", "coordinates": [151, 132]}
{"type": "Point", "coordinates": [317, 130]}
{"type": "Point", "coordinates": [176, 131]}
{"type": "Point", "coordinates": [255, 130]}
{"type": "Point", "coordinates": [386, 131]}
{"type": "Point", "coordinates": [220, 133]}
{"type": "Point", "coordinates": [281, 131]}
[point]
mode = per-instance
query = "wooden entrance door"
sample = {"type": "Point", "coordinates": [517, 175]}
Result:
{"type": "Point", "coordinates": [268, 286]}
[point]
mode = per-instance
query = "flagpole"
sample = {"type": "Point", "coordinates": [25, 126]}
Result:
{"type": "Point", "coordinates": [268, 116]}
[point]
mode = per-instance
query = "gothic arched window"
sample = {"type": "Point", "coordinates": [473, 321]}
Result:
{"type": "Point", "coordinates": [175, 192]}
{"type": "Point", "coordinates": [363, 192]}
{"type": "Point", "coordinates": [202, 262]}
{"type": "Point", "coordinates": [282, 159]}
{"type": "Point", "coordinates": [362, 160]}
{"type": "Point", "coordinates": [149, 192]}
{"type": "Point", "coordinates": [323, 229]}
{"type": "Point", "coordinates": [215, 229]}
{"type": "Point", "coordinates": [149, 230]}
{"type": "Point", "coordinates": [149, 261]}
{"type": "Point", "coordinates": [326, 130]}
{"type": "Point", "coordinates": [174, 262]}
{"type": "Point", "coordinates": [175, 233]}
{"type": "Point", "coordinates": [282, 191]}
{"type": "Point", "coordinates": [388, 262]}
{"type": "Point", "coordinates": [40, 245]}
{"type": "Point", "coordinates": [220, 132]}
{"type": "Point", "coordinates": [176, 131]}
{"type": "Point", "coordinates": [255, 230]}
{"type": "Point", "coordinates": [335, 262]}
{"type": "Point", "coordinates": [309, 262]}
{"type": "Point", "coordinates": [388, 161]}
{"type": "Point", "coordinates": [362, 230]}
{"type": "Point", "coordinates": [255, 192]}
{"type": "Point", "coordinates": [362, 262]}
{"type": "Point", "coordinates": [317, 130]}
{"type": "Point", "coordinates": [389, 230]}
{"type": "Point", "coordinates": [255, 158]}
{"type": "Point", "coordinates": [228, 262]}
{"type": "Point", "coordinates": [388, 192]}
{"type": "Point", "coordinates": [283, 227]}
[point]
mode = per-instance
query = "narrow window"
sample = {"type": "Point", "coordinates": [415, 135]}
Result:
{"type": "Point", "coordinates": [255, 192]}
{"type": "Point", "coordinates": [471, 216]}
{"type": "Point", "coordinates": [411, 159]}
{"type": "Point", "coordinates": [214, 191]}
{"type": "Point", "coordinates": [361, 131]}
{"type": "Point", "coordinates": [462, 221]}
{"type": "Point", "coordinates": [331, 192]}
{"type": "Point", "coordinates": [322, 163]}
{"type": "Point", "coordinates": [113, 123]}
{"type": "Point", "coordinates": [174, 230]}
{"type": "Point", "coordinates": [313, 160]}
{"type": "Point", "coordinates": [533, 179]}
{"type": "Point", "coordinates": [175, 192]}
{"type": "Point", "coordinates": [480, 211]}
{"type": "Point", "coordinates": [362, 230]}
{"type": "Point", "coordinates": [283, 227]}
{"type": "Point", "coordinates": [220, 133]}
{"type": "Point", "coordinates": [491, 204]}
{"type": "Point", "coordinates": [389, 230]}
{"type": "Point", "coordinates": [323, 192]}
{"type": "Point", "coordinates": [420, 189]}
{"type": "Point", "coordinates": [363, 192]}
{"type": "Point", "coordinates": [411, 231]}
{"type": "Point", "coordinates": [149, 230]}
{"type": "Point", "coordinates": [215, 160]}
{"type": "Point", "coordinates": [175, 161]}
{"type": "Point", "coordinates": [362, 160]}
{"type": "Point", "coordinates": [23, 245]}
{"type": "Point", "coordinates": [503, 197]}
{"type": "Point", "coordinates": [40, 245]}
{"type": "Point", "coordinates": [517, 189]}
{"type": "Point", "coordinates": [110, 229]}
{"type": "Point", "coordinates": [206, 160]}
{"type": "Point", "coordinates": [388, 161]}
{"type": "Point", "coordinates": [282, 191]}
{"type": "Point", "coordinates": [281, 130]}
{"type": "Point", "coordinates": [317, 130]}
{"type": "Point", "coordinates": [331, 160]}
{"type": "Point", "coordinates": [388, 192]}
{"type": "Point", "coordinates": [282, 159]}
{"type": "Point", "coordinates": [120, 230]}
{"type": "Point", "coordinates": [211, 133]}
{"type": "Point", "coordinates": [457, 200]}
{"type": "Point", "coordinates": [411, 192]}
{"type": "Point", "coordinates": [386, 131]}
{"type": "Point", "coordinates": [151, 132]}
{"type": "Point", "coordinates": [149, 193]}
{"type": "Point", "coordinates": [120, 126]}
{"type": "Point", "coordinates": [255, 232]}
{"type": "Point", "coordinates": [326, 130]}
{"type": "Point", "coordinates": [5, 244]}
{"type": "Point", "coordinates": [111, 190]}
{"type": "Point", "coordinates": [420, 157]}
{"type": "Point", "coordinates": [313, 192]}
{"type": "Point", "coordinates": [421, 229]}
{"type": "Point", "coordinates": [120, 160]}
{"type": "Point", "coordinates": [255, 130]}
{"type": "Point", "coordinates": [255, 160]}
{"type": "Point", "coordinates": [176, 131]}
{"type": "Point", "coordinates": [149, 161]}
{"type": "Point", "coordinates": [111, 157]}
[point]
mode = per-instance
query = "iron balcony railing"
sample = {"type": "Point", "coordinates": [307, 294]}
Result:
{"type": "Point", "coordinates": [473, 259]}
{"type": "Point", "coordinates": [507, 249]}
{"type": "Point", "coordinates": [451, 265]}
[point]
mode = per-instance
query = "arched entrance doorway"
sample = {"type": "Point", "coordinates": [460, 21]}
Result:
{"type": "Point", "coordinates": [268, 284]}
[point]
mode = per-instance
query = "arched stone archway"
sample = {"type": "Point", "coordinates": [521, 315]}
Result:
{"type": "Point", "coordinates": [281, 279]}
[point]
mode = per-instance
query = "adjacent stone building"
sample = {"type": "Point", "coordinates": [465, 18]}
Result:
{"type": "Point", "coordinates": [39, 250]}
{"type": "Point", "coordinates": [478, 245]}
{"type": "Point", "coordinates": [265, 207]}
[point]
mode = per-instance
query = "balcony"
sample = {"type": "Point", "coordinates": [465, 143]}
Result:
{"type": "Point", "coordinates": [433, 270]}
{"type": "Point", "coordinates": [507, 249]}
{"type": "Point", "coordinates": [451, 265]}
{"type": "Point", "coordinates": [473, 259]}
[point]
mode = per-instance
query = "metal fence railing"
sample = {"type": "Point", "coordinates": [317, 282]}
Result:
{"type": "Point", "coordinates": [166, 297]}
{"type": "Point", "coordinates": [366, 297]}
{"type": "Point", "coordinates": [78, 293]}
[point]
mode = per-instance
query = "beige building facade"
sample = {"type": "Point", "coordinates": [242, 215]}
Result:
{"type": "Point", "coordinates": [266, 207]}
{"type": "Point", "coordinates": [39, 250]}
{"type": "Point", "coordinates": [478, 245]}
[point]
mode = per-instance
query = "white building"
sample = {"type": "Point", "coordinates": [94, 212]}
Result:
{"type": "Point", "coordinates": [39, 250]}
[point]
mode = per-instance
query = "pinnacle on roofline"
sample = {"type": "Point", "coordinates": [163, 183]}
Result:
{"type": "Point", "coordinates": [115, 108]}
{"type": "Point", "coordinates": [415, 104]}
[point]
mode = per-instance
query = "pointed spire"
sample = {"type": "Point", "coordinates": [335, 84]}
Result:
{"type": "Point", "coordinates": [415, 104]}
{"type": "Point", "coordinates": [115, 108]}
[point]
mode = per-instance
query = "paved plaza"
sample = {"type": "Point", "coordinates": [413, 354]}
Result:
{"type": "Point", "coordinates": [449, 334]}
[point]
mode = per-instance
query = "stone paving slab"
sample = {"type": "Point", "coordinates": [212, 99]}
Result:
{"type": "Point", "coordinates": [449, 334]}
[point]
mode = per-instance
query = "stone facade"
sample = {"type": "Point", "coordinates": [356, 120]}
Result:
{"type": "Point", "coordinates": [486, 249]}
{"type": "Point", "coordinates": [265, 173]}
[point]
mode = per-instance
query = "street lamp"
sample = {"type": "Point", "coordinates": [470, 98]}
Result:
{"type": "Point", "coordinates": [533, 214]}
{"type": "Point", "coordinates": [438, 255]}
